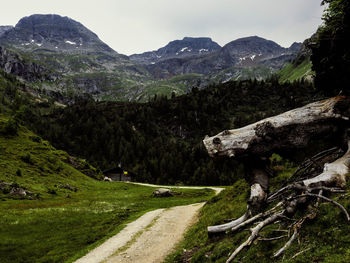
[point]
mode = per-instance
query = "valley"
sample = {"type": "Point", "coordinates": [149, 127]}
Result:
{"type": "Point", "coordinates": [72, 109]}
{"type": "Point", "coordinates": [63, 200]}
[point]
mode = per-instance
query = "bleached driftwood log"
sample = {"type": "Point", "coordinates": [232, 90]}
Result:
{"type": "Point", "coordinates": [292, 129]}
{"type": "Point", "coordinates": [333, 175]}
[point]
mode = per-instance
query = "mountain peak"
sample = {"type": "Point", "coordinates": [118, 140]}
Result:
{"type": "Point", "coordinates": [197, 39]}
{"type": "Point", "coordinates": [52, 32]}
{"type": "Point", "coordinates": [187, 47]}
{"type": "Point", "coordinates": [252, 45]}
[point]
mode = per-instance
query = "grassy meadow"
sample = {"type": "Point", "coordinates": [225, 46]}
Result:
{"type": "Point", "coordinates": [67, 212]}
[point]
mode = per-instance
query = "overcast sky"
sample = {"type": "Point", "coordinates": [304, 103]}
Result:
{"type": "Point", "coordinates": [136, 26]}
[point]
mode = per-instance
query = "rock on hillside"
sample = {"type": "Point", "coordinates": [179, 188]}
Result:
{"type": "Point", "coordinates": [13, 63]}
{"type": "Point", "coordinates": [3, 29]}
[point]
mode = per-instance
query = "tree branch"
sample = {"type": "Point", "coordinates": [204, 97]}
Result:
{"type": "Point", "coordinates": [254, 234]}
{"type": "Point", "coordinates": [281, 251]}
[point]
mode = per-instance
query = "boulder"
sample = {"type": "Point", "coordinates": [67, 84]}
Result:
{"type": "Point", "coordinates": [18, 191]}
{"type": "Point", "coordinates": [162, 192]}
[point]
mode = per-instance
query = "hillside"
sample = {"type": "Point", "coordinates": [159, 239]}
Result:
{"type": "Point", "coordinates": [301, 66]}
{"type": "Point", "coordinates": [49, 200]}
{"type": "Point", "coordinates": [292, 72]}
{"type": "Point", "coordinates": [161, 140]}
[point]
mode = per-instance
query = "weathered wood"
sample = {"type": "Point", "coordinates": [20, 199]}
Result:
{"type": "Point", "coordinates": [254, 234]}
{"type": "Point", "coordinates": [287, 245]}
{"type": "Point", "coordinates": [334, 174]}
{"type": "Point", "coordinates": [292, 129]}
{"type": "Point", "coordinates": [323, 120]}
{"type": "Point", "coordinates": [228, 226]}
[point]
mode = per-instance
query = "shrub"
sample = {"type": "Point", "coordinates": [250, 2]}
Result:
{"type": "Point", "coordinates": [52, 191]}
{"type": "Point", "coordinates": [27, 158]}
{"type": "Point", "coordinates": [10, 128]}
{"type": "Point", "coordinates": [19, 172]}
{"type": "Point", "coordinates": [35, 138]}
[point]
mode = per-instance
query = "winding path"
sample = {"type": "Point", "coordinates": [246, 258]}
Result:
{"type": "Point", "coordinates": [151, 237]}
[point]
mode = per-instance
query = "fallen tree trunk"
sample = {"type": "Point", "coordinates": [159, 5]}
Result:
{"type": "Point", "coordinates": [290, 130]}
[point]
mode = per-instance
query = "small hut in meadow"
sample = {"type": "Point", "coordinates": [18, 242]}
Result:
{"type": "Point", "coordinates": [118, 174]}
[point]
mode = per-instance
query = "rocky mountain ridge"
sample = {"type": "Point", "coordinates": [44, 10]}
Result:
{"type": "Point", "coordinates": [187, 47]}
{"type": "Point", "coordinates": [75, 61]}
{"type": "Point", "coordinates": [245, 52]}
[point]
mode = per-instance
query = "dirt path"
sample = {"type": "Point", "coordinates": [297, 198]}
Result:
{"type": "Point", "coordinates": [150, 238]}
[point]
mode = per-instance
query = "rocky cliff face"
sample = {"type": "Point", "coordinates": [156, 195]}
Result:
{"type": "Point", "coordinates": [12, 63]}
{"type": "Point", "coordinates": [3, 29]}
{"type": "Point", "coordinates": [304, 52]}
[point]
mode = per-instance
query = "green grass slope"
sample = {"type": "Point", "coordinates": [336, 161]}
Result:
{"type": "Point", "coordinates": [325, 238]}
{"type": "Point", "coordinates": [293, 72]}
{"type": "Point", "coordinates": [68, 212]}
{"type": "Point", "coordinates": [34, 164]}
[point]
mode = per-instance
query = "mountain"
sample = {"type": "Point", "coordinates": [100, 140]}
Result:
{"type": "Point", "coordinates": [53, 33]}
{"type": "Point", "coordinates": [253, 54]}
{"type": "Point", "coordinates": [187, 47]}
{"type": "Point", "coordinates": [73, 53]}
{"type": "Point", "coordinates": [60, 56]}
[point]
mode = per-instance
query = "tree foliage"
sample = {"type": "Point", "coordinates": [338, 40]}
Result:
{"type": "Point", "coordinates": [161, 141]}
{"type": "Point", "coordinates": [331, 51]}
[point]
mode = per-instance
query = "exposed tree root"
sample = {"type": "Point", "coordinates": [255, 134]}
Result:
{"type": "Point", "coordinates": [254, 234]}
{"type": "Point", "coordinates": [287, 245]}
{"type": "Point", "coordinates": [329, 200]}
{"type": "Point", "coordinates": [296, 129]}
{"type": "Point", "coordinates": [309, 190]}
{"type": "Point", "coordinates": [227, 226]}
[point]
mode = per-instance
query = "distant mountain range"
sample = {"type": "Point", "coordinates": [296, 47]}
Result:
{"type": "Point", "coordinates": [58, 55]}
{"type": "Point", "coordinates": [203, 56]}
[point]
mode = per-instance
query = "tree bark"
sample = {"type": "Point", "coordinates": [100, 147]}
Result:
{"type": "Point", "coordinates": [294, 129]}
{"type": "Point", "coordinates": [290, 130]}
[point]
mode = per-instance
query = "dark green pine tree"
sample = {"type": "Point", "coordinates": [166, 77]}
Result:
{"type": "Point", "coordinates": [331, 52]}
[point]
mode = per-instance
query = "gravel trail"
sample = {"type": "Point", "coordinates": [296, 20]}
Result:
{"type": "Point", "coordinates": [151, 237]}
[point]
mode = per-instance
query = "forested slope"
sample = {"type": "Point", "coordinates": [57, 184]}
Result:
{"type": "Point", "coordinates": [161, 141]}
